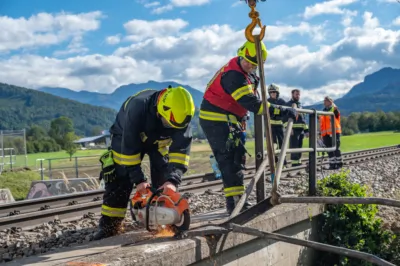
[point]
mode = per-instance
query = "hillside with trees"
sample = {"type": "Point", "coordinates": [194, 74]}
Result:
{"type": "Point", "coordinates": [119, 95]}
{"type": "Point", "coordinates": [23, 108]}
{"type": "Point", "coordinates": [60, 136]}
{"type": "Point", "coordinates": [380, 91]}
{"type": "Point", "coordinates": [370, 122]}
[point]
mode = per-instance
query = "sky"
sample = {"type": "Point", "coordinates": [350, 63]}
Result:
{"type": "Point", "coordinates": [320, 47]}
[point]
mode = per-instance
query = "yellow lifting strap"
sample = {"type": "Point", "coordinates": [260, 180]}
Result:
{"type": "Point", "coordinates": [255, 20]}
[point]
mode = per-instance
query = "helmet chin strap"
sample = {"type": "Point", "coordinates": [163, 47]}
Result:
{"type": "Point", "coordinates": [165, 123]}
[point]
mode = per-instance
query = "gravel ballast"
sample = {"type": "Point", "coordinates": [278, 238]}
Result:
{"type": "Point", "coordinates": [380, 175]}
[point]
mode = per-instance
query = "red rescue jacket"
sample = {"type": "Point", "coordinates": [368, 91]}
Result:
{"type": "Point", "coordinates": [217, 96]}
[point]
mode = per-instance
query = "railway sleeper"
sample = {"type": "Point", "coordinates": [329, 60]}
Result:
{"type": "Point", "coordinates": [74, 202]}
{"type": "Point", "coordinates": [45, 207]}
{"type": "Point", "coordinates": [14, 212]}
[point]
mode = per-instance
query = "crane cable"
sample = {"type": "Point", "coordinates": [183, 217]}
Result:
{"type": "Point", "coordinates": [256, 21]}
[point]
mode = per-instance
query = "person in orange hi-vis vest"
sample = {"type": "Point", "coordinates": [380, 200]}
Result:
{"type": "Point", "coordinates": [335, 157]}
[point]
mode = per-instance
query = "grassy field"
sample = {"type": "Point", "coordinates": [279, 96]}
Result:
{"type": "Point", "coordinates": [348, 143]}
{"type": "Point", "coordinates": [200, 152]}
{"type": "Point", "coordinates": [19, 182]}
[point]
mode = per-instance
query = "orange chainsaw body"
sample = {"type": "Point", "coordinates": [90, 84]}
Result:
{"type": "Point", "coordinates": [168, 208]}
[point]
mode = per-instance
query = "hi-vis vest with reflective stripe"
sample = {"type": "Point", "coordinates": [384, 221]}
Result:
{"type": "Point", "coordinates": [325, 123]}
{"type": "Point", "coordinates": [216, 95]}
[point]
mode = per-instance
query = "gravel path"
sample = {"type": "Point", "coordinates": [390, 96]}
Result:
{"type": "Point", "coordinates": [380, 175]}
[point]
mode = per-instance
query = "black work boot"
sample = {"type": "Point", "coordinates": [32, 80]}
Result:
{"type": "Point", "coordinates": [231, 204]}
{"type": "Point", "coordinates": [339, 165]}
{"type": "Point", "coordinates": [108, 226]}
{"type": "Point", "coordinates": [247, 205]}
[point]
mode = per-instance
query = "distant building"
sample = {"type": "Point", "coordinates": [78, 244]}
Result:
{"type": "Point", "coordinates": [100, 141]}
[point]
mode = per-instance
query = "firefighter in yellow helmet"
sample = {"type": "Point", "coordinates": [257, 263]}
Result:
{"type": "Point", "coordinates": [229, 95]}
{"type": "Point", "coordinates": [156, 123]}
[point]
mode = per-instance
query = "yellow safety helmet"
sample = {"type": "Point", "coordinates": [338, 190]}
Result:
{"type": "Point", "coordinates": [248, 52]}
{"type": "Point", "coordinates": [273, 88]}
{"type": "Point", "coordinates": [176, 106]}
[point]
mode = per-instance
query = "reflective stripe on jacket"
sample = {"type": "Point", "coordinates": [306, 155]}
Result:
{"type": "Point", "coordinates": [216, 95]}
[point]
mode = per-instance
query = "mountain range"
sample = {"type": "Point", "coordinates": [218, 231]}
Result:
{"type": "Point", "coordinates": [118, 96]}
{"type": "Point", "coordinates": [21, 107]}
{"type": "Point", "coordinates": [378, 91]}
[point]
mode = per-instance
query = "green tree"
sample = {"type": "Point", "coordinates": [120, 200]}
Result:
{"type": "Point", "coordinates": [69, 146]}
{"type": "Point", "coordinates": [364, 121]}
{"type": "Point", "coordinates": [352, 123]}
{"type": "Point", "coordinates": [96, 131]}
{"type": "Point", "coordinates": [59, 128]}
{"type": "Point", "coordinates": [36, 133]}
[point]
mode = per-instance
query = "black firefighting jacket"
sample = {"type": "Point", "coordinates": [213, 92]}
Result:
{"type": "Point", "coordinates": [277, 119]}
{"type": "Point", "coordinates": [300, 123]}
{"type": "Point", "coordinates": [137, 128]}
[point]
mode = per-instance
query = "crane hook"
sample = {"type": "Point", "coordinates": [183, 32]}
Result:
{"type": "Point", "coordinates": [251, 3]}
{"type": "Point", "coordinates": [255, 20]}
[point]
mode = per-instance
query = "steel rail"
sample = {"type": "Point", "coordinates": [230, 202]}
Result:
{"type": "Point", "coordinates": [205, 180]}
{"type": "Point", "coordinates": [210, 176]}
{"type": "Point", "coordinates": [71, 212]}
{"type": "Point", "coordinates": [40, 204]}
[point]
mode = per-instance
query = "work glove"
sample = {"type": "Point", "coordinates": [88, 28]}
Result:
{"type": "Point", "coordinates": [107, 167]}
{"type": "Point", "coordinates": [290, 112]}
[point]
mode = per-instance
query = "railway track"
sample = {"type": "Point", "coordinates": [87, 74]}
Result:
{"type": "Point", "coordinates": [30, 213]}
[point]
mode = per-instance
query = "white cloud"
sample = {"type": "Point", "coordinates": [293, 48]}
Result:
{"type": "Point", "coordinates": [348, 17]}
{"type": "Point", "coordinates": [181, 3]}
{"type": "Point", "coordinates": [235, 4]}
{"type": "Point", "coordinates": [389, 1]}
{"type": "Point", "coordinates": [113, 39]}
{"type": "Point", "coordinates": [45, 29]}
{"type": "Point", "coordinates": [158, 9]}
{"type": "Point", "coordinates": [92, 72]}
{"type": "Point", "coordinates": [74, 47]}
{"type": "Point", "coordinates": [279, 33]}
{"type": "Point", "coordinates": [162, 9]}
{"type": "Point", "coordinates": [169, 52]}
{"type": "Point", "coordinates": [328, 7]}
{"type": "Point", "coordinates": [334, 89]}
{"type": "Point", "coordinates": [396, 22]}
{"type": "Point", "coordinates": [151, 4]}
{"type": "Point", "coordinates": [370, 43]}
{"type": "Point", "coordinates": [138, 30]}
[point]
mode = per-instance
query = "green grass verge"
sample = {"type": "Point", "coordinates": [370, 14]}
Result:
{"type": "Point", "coordinates": [61, 159]}
{"type": "Point", "coordinates": [18, 182]}
{"type": "Point", "coordinates": [348, 143]}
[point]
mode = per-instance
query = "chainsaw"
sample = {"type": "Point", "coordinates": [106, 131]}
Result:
{"type": "Point", "coordinates": [156, 209]}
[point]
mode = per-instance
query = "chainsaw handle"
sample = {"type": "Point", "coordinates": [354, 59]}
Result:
{"type": "Point", "coordinates": [155, 191]}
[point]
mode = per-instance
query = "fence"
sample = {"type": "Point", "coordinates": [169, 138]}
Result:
{"type": "Point", "coordinates": [12, 149]}
{"type": "Point", "coordinates": [77, 167]}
